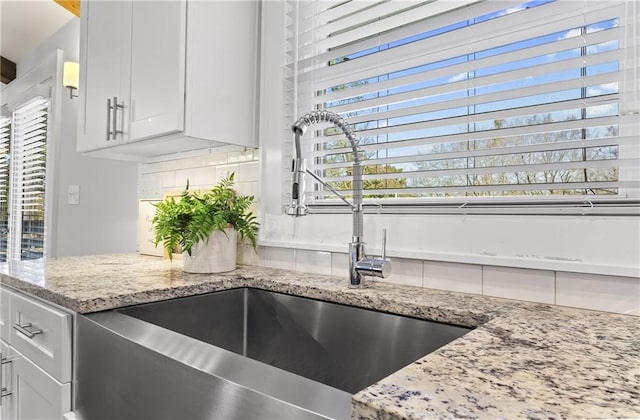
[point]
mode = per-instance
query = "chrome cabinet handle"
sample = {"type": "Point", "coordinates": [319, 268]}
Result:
{"type": "Point", "coordinates": [3, 389]}
{"type": "Point", "coordinates": [23, 329]}
{"type": "Point", "coordinates": [108, 119]}
{"type": "Point", "coordinates": [112, 118]}
{"type": "Point", "coordinates": [115, 117]}
{"type": "Point", "coordinates": [116, 107]}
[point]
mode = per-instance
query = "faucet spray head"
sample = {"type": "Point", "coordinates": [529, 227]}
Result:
{"type": "Point", "coordinates": [297, 207]}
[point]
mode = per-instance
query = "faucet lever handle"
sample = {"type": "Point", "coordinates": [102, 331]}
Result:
{"type": "Point", "coordinates": [374, 266]}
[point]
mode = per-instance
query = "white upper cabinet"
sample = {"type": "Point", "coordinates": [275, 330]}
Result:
{"type": "Point", "coordinates": [222, 71]}
{"type": "Point", "coordinates": [184, 74]}
{"type": "Point", "coordinates": [158, 42]}
{"type": "Point", "coordinates": [108, 38]}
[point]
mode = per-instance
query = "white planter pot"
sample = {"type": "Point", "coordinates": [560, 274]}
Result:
{"type": "Point", "coordinates": [215, 256]}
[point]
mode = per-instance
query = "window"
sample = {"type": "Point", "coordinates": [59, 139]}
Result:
{"type": "Point", "coordinates": [5, 153]}
{"type": "Point", "coordinates": [487, 103]}
{"type": "Point", "coordinates": [23, 146]}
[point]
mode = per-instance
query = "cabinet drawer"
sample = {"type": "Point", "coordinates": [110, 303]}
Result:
{"type": "Point", "coordinates": [43, 334]}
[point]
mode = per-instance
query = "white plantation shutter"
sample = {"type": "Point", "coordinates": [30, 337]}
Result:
{"type": "Point", "coordinates": [5, 150]}
{"type": "Point", "coordinates": [470, 102]}
{"type": "Point", "coordinates": [27, 188]}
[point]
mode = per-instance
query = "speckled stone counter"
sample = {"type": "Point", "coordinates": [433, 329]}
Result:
{"type": "Point", "coordinates": [524, 360]}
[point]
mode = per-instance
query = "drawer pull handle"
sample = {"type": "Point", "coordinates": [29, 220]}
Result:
{"type": "Point", "coordinates": [23, 329]}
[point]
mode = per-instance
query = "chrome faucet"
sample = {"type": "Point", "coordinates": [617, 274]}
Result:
{"type": "Point", "coordinates": [359, 264]}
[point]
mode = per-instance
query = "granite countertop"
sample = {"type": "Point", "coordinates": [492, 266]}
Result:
{"type": "Point", "coordinates": [524, 360]}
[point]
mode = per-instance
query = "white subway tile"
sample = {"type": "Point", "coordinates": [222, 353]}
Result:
{"type": "Point", "coordinates": [601, 293]}
{"type": "Point", "coordinates": [465, 278]}
{"type": "Point", "coordinates": [519, 283]}
{"type": "Point", "coordinates": [240, 156]}
{"type": "Point", "coordinates": [152, 179]}
{"type": "Point", "coordinates": [313, 261]}
{"type": "Point", "coordinates": [248, 256]}
{"type": "Point", "coordinates": [279, 258]}
{"type": "Point", "coordinates": [204, 176]}
{"type": "Point", "coordinates": [213, 159]}
{"type": "Point", "coordinates": [182, 176]}
{"type": "Point", "coordinates": [255, 208]}
{"type": "Point", "coordinates": [248, 172]}
{"type": "Point", "coordinates": [404, 271]}
{"type": "Point", "coordinates": [340, 264]}
{"type": "Point", "coordinates": [244, 188]}
{"type": "Point", "coordinates": [168, 179]}
{"type": "Point", "coordinates": [224, 171]}
{"type": "Point", "coordinates": [178, 164]}
{"type": "Point", "coordinates": [193, 162]}
{"type": "Point", "coordinates": [255, 190]}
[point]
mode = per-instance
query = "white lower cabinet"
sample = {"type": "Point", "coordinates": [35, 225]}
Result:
{"type": "Point", "coordinates": [36, 359]}
{"type": "Point", "coordinates": [35, 394]}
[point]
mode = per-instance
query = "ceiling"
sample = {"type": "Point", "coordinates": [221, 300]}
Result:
{"type": "Point", "coordinates": [24, 24]}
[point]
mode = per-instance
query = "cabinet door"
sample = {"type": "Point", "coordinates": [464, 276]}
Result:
{"type": "Point", "coordinates": [222, 70]}
{"type": "Point", "coordinates": [158, 45]}
{"type": "Point", "coordinates": [36, 395]}
{"type": "Point", "coordinates": [6, 401]}
{"type": "Point", "coordinates": [104, 71]}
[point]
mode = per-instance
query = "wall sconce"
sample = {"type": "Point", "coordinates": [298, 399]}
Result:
{"type": "Point", "coordinates": [71, 77]}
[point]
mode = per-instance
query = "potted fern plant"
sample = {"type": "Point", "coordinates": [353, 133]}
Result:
{"type": "Point", "coordinates": [206, 226]}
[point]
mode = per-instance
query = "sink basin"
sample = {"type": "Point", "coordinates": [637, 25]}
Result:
{"type": "Point", "coordinates": [302, 356]}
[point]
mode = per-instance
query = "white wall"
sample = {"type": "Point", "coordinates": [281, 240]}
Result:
{"type": "Point", "coordinates": [105, 219]}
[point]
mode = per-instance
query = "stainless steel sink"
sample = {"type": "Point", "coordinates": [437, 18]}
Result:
{"type": "Point", "coordinates": [242, 353]}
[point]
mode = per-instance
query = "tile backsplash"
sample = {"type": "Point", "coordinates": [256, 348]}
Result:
{"type": "Point", "coordinates": [465, 278]}
{"type": "Point", "coordinates": [597, 292]}
{"type": "Point", "coordinates": [519, 283]}
{"type": "Point", "coordinates": [203, 172]}
{"type": "Point", "coordinates": [587, 291]}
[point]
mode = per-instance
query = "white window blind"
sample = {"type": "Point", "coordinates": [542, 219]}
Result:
{"type": "Point", "coordinates": [5, 153]}
{"type": "Point", "coordinates": [467, 102]}
{"type": "Point", "coordinates": [27, 180]}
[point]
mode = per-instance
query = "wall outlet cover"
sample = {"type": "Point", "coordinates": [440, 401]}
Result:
{"type": "Point", "coordinates": [73, 195]}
